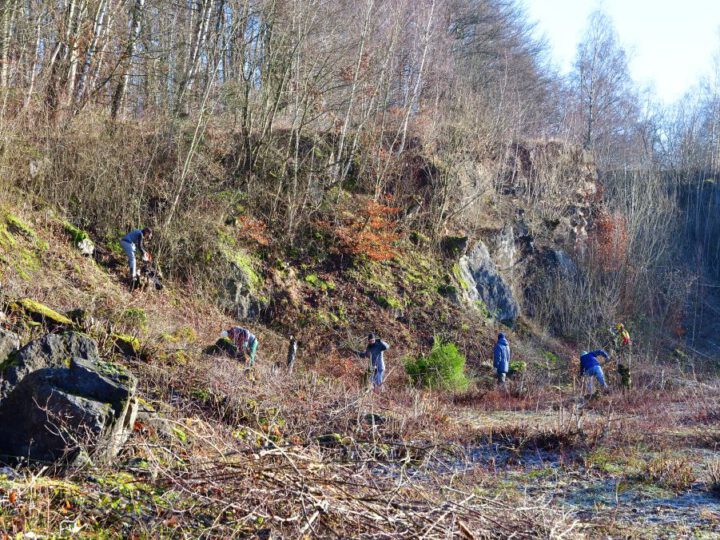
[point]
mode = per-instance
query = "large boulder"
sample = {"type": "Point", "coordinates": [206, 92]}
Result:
{"type": "Point", "coordinates": [484, 283]}
{"type": "Point", "coordinates": [60, 401]}
{"type": "Point", "coordinates": [50, 351]}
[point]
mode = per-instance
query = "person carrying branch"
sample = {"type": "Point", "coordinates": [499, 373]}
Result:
{"type": "Point", "coordinates": [131, 243]}
{"type": "Point", "coordinates": [623, 347]}
{"type": "Point", "coordinates": [501, 359]}
{"type": "Point", "coordinates": [590, 367]}
{"type": "Point", "coordinates": [375, 349]}
{"type": "Point", "coordinates": [245, 342]}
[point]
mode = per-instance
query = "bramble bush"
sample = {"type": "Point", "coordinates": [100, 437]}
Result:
{"type": "Point", "coordinates": [443, 368]}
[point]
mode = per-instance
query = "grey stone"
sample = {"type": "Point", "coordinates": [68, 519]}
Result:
{"type": "Point", "coordinates": [486, 284]}
{"type": "Point", "coordinates": [9, 342]}
{"type": "Point", "coordinates": [52, 350]}
{"type": "Point", "coordinates": [238, 295]}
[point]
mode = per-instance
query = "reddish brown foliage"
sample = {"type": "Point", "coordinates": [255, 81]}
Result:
{"type": "Point", "coordinates": [253, 229]}
{"type": "Point", "coordinates": [370, 232]}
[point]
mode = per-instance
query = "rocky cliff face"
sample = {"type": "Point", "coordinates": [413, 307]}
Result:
{"type": "Point", "coordinates": [542, 221]}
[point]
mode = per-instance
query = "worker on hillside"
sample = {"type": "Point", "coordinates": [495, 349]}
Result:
{"type": "Point", "coordinates": [132, 242]}
{"type": "Point", "coordinates": [245, 342]}
{"type": "Point", "coordinates": [375, 349]}
{"type": "Point", "coordinates": [622, 337]}
{"type": "Point", "coordinates": [501, 359]}
{"type": "Point", "coordinates": [590, 367]}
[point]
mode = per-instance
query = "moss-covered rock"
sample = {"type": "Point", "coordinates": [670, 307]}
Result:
{"type": "Point", "coordinates": [79, 238]}
{"type": "Point", "coordinates": [75, 234]}
{"type": "Point", "coordinates": [242, 284]}
{"type": "Point", "coordinates": [125, 344]}
{"type": "Point", "coordinates": [41, 313]}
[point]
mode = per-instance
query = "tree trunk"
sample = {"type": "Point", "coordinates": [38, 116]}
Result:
{"type": "Point", "coordinates": [121, 88]}
{"type": "Point", "coordinates": [98, 30]}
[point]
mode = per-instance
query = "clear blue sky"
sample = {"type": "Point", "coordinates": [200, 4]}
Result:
{"type": "Point", "coordinates": [670, 43]}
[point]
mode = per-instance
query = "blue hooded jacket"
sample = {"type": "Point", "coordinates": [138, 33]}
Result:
{"type": "Point", "coordinates": [135, 237]}
{"type": "Point", "coordinates": [501, 355]}
{"type": "Point", "coordinates": [589, 360]}
{"type": "Point", "coordinates": [375, 353]}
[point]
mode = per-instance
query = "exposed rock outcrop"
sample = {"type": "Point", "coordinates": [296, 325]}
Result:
{"type": "Point", "coordinates": [483, 282]}
{"type": "Point", "coordinates": [241, 285]}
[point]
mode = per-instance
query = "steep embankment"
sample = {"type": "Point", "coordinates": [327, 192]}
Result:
{"type": "Point", "coordinates": [218, 451]}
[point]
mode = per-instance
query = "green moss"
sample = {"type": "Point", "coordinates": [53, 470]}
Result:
{"type": "Point", "coordinates": [184, 334]}
{"type": "Point", "coordinates": [319, 283]}
{"type": "Point", "coordinates": [41, 313]}
{"type": "Point", "coordinates": [18, 226]}
{"type": "Point", "coordinates": [76, 235]}
{"type": "Point", "coordinates": [457, 274]}
{"type": "Point", "coordinates": [26, 262]}
{"type": "Point", "coordinates": [388, 302]}
{"type": "Point", "coordinates": [240, 259]}
{"type": "Point", "coordinates": [517, 366]}
{"type": "Point", "coordinates": [113, 370]}
{"type": "Point", "coordinates": [145, 405]}
{"type": "Point", "coordinates": [7, 240]}
{"type": "Point", "coordinates": [180, 434]}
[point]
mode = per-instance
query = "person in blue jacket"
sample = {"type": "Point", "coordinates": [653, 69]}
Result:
{"type": "Point", "coordinates": [131, 243]}
{"type": "Point", "coordinates": [590, 367]}
{"type": "Point", "coordinates": [375, 349]}
{"type": "Point", "coordinates": [501, 359]}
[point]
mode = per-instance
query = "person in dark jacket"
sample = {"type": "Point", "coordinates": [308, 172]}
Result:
{"type": "Point", "coordinates": [590, 367]}
{"type": "Point", "coordinates": [374, 351]}
{"type": "Point", "coordinates": [131, 243]}
{"type": "Point", "coordinates": [501, 359]}
{"type": "Point", "coordinates": [245, 342]}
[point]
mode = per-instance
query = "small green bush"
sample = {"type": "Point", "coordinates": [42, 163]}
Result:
{"type": "Point", "coordinates": [443, 368]}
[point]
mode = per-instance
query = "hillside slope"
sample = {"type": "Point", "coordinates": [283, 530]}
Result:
{"type": "Point", "coordinates": [219, 451]}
